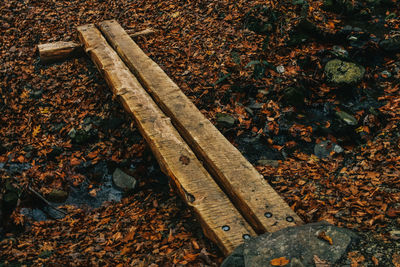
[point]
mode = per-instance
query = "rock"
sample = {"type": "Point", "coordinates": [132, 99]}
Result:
{"type": "Point", "coordinates": [254, 148]}
{"type": "Point", "coordinates": [346, 118]}
{"type": "Point", "coordinates": [57, 196]}
{"type": "Point", "coordinates": [386, 74]}
{"type": "Point", "coordinates": [256, 105]}
{"type": "Point", "coordinates": [112, 123]}
{"type": "Point", "coordinates": [323, 149]}
{"type": "Point", "coordinates": [123, 180]}
{"type": "Point", "coordinates": [36, 214]}
{"type": "Point", "coordinates": [340, 52]}
{"type": "Point", "coordinates": [391, 44]}
{"type": "Point", "coordinates": [280, 69]}
{"type": "Point", "coordinates": [10, 199]}
{"type": "Point", "coordinates": [268, 162]}
{"type": "Point", "coordinates": [36, 94]}
{"type": "Point", "coordinates": [294, 96]}
{"type": "Point", "coordinates": [83, 136]}
{"type": "Point", "coordinates": [298, 244]}
{"type": "Point", "coordinates": [342, 72]}
{"type": "Point", "coordinates": [225, 120]}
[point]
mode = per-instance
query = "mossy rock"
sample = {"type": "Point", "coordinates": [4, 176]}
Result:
{"type": "Point", "coordinates": [225, 120]}
{"type": "Point", "coordinates": [294, 96]}
{"type": "Point", "coordinates": [346, 118]}
{"type": "Point", "coordinates": [342, 72]}
{"type": "Point", "coordinates": [57, 195]}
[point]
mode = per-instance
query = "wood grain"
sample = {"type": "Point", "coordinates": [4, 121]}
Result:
{"type": "Point", "coordinates": [50, 52]}
{"type": "Point", "coordinates": [258, 202]}
{"type": "Point", "coordinates": [220, 220]}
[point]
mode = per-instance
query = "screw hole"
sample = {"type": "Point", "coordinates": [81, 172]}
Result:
{"type": "Point", "coordinates": [268, 214]}
{"type": "Point", "coordinates": [226, 228]}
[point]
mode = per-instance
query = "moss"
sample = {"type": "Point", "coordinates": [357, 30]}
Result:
{"type": "Point", "coordinates": [342, 72]}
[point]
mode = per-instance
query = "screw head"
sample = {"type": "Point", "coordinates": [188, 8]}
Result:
{"type": "Point", "coordinates": [226, 228]}
{"type": "Point", "coordinates": [268, 214]}
{"type": "Point", "coordinates": [246, 236]}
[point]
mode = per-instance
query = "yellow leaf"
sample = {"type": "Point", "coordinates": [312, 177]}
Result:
{"type": "Point", "coordinates": [44, 110]}
{"type": "Point", "coordinates": [36, 130]}
{"type": "Point", "coordinates": [25, 94]}
{"type": "Point", "coordinates": [282, 261]}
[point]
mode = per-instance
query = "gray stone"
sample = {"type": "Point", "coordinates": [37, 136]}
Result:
{"type": "Point", "coordinates": [346, 118]}
{"type": "Point", "coordinates": [323, 149]}
{"type": "Point", "coordinates": [36, 94]}
{"type": "Point", "coordinates": [297, 244]}
{"type": "Point", "coordinates": [123, 180]}
{"type": "Point", "coordinates": [57, 195]}
{"type": "Point", "coordinates": [342, 72]}
{"type": "Point", "coordinates": [339, 51]}
{"type": "Point", "coordinates": [225, 120]}
{"type": "Point", "coordinates": [84, 135]}
{"type": "Point", "coordinates": [391, 44]}
{"type": "Point", "coordinates": [386, 73]}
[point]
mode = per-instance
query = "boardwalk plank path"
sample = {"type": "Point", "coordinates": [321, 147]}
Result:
{"type": "Point", "coordinates": [221, 221]}
{"type": "Point", "coordinates": [258, 202]}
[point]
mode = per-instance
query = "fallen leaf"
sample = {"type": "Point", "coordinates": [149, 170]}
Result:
{"type": "Point", "coordinates": [282, 261]}
{"type": "Point", "coordinates": [324, 236]}
{"type": "Point", "coordinates": [320, 263]}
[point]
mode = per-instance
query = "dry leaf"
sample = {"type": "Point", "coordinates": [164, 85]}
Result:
{"type": "Point", "coordinates": [324, 236]}
{"type": "Point", "coordinates": [282, 261]}
{"type": "Point", "coordinates": [320, 263]}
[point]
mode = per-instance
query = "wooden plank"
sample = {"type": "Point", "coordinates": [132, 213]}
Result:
{"type": "Point", "coordinates": [50, 52]}
{"type": "Point", "coordinates": [258, 202]}
{"type": "Point", "coordinates": [220, 220]}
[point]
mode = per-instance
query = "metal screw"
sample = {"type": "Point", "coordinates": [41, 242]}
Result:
{"type": "Point", "coordinates": [226, 228]}
{"type": "Point", "coordinates": [268, 214]}
{"type": "Point", "coordinates": [246, 237]}
{"type": "Point", "coordinates": [289, 219]}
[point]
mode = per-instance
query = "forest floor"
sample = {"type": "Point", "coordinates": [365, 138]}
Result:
{"type": "Point", "coordinates": [254, 68]}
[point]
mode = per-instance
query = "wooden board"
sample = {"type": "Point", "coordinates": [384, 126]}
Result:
{"type": "Point", "coordinates": [253, 196]}
{"type": "Point", "coordinates": [58, 50]}
{"type": "Point", "coordinates": [220, 220]}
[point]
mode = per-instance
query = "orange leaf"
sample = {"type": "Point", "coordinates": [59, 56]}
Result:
{"type": "Point", "coordinates": [21, 159]}
{"type": "Point", "coordinates": [75, 162]}
{"type": "Point", "coordinates": [325, 237]}
{"type": "Point", "coordinates": [282, 261]}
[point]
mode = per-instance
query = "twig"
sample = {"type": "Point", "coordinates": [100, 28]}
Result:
{"type": "Point", "coordinates": [46, 201]}
{"type": "Point", "coordinates": [133, 34]}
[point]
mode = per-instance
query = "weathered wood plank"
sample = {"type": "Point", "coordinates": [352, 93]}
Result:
{"type": "Point", "coordinates": [192, 181]}
{"type": "Point", "coordinates": [50, 52]}
{"type": "Point", "coordinates": [253, 196]}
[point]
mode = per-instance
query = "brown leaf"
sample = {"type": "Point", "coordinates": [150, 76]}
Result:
{"type": "Point", "coordinates": [320, 263]}
{"type": "Point", "coordinates": [396, 260]}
